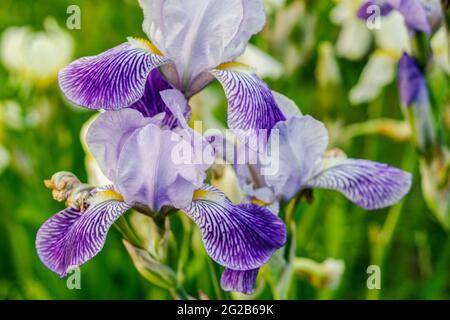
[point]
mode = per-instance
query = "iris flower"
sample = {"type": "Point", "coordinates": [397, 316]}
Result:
{"type": "Point", "coordinates": [239, 237]}
{"type": "Point", "coordinates": [304, 165]}
{"type": "Point", "coordinates": [191, 42]}
{"type": "Point", "coordinates": [420, 15]}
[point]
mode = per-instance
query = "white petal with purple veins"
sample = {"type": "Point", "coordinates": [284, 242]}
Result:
{"type": "Point", "coordinates": [251, 104]}
{"type": "Point", "coordinates": [112, 80]}
{"type": "Point", "coordinates": [371, 185]}
{"type": "Point", "coordinates": [71, 238]}
{"type": "Point", "coordinates": [239, 237]}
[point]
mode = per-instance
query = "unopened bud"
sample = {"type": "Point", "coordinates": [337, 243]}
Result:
{"type": "Point", "coordinates": [62, 184]}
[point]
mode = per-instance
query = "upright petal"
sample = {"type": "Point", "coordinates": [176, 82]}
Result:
{"type": "Point", "coordinates": [112, 80]}
{"type": "Point", "coordinates": [177, 106]}
{"type": "Point", "coordinates": [201, 34]}
{"type": "Point", "coordinates": [251, 104]}
{"type": "Point", "coordinates": [167, 175]}
{"type": "Point", "coordinates": [239, 281]}
{"type": "Point", "coordinates": [287, 106]}
{"type": "Point", "coordinates": [369, 184]}
{"type": "Point", "coordinates": [107, 135]}
{"type": "Point", "coordinates": [239, 237]}
{"type": "Point", "coordinates": [302, 142]}
{"type": "Point", "coordinates": [70, 238]}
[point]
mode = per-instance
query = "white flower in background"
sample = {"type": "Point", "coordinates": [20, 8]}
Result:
{"type": "Point", "coordinates": [36, 56]}
{"type": "Point", "coordinates": [333, 269]}
{"type": "Point", "coordinates": [355, 38]}
{"type": "Point", "coordinates": [272, 5]}
{"type": "Point", "coordinates": [327, 70]}
{"type": "Point", "coordinates": [439, 44]}
{"type": "Point", "coordinates": [264, 64]}
{"type": "Point", "coordinates": [391, 41]}
{"type": "Point", "coordinates": [11, 114]}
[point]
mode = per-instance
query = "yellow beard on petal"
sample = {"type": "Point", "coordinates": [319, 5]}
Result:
{"type": "Point", "coordinates": [106, 195]}
{"type": "Point", "coordinates": [144, 44]}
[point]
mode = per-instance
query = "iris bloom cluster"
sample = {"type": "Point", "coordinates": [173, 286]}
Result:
{"type": "Point", "coordinates": [158, 165]}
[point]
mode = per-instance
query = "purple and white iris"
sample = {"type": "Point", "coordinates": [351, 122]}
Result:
{"type": "Point", "coordinates": [420, 15]}
{"type": "Point", "coordinates": [304, 164]}
{"type": "Point", "coordinates": [192, 42]}
{"type": "Point", "coordinates": [158, 164]}
{"type": "Point", "coordinates": [239, 237]}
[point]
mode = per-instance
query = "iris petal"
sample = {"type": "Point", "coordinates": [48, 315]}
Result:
{"type": "Point", "coordinates": [70, 238]}
{"type": "Point", "coordinates": [371, 185]}
{"type": "Point", "coordinates": [251, 104]}
{"type": "Point", "coordinates": [239, 237]}
{"type": "Point", "coordinates": [112, 80]}
{"type": "Point", "coordinates": [239, 281]}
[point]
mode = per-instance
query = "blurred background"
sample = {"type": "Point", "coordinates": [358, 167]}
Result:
{"type": "Point", "coordinates": [315, 52]}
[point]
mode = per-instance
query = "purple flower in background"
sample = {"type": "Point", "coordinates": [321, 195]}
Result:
{"type": "Point", "coordinates": [192, 42]}
{"type": "Point", "coordinates": [414, 93]}
{"type": "Point", "coordinates": [412, 83]}
{"type": "Point", "coordinates": [304, 164]}
{"type": "Point", "coordinates": [239, 237]}
{"type": "Point", "coordinates": [420, 15]}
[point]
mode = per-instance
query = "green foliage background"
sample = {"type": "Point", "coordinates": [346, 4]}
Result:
{"type": "Point", "coordinates": [415, 255]}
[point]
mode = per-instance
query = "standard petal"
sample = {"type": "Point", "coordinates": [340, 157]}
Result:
{"type": "Point", "coordinates": [71, 238]}
{"type": "Point", "coordinates": [107, 135]}
{"type": "Point", "coordinates": [151, 171]}
{"type": "Point", "coordinates": [302, 142]}
{"type": "Point", "coordinates": [177, 106]}
{"type": "Point", "coordinates": [198, 35]}
{"type": "Point", "coordinates": [369, 184]}
{"type": "Point", "coordinates": [287, 106]}
{"type": "Point", "coordinates": [112, 80]}
{"type": "Point", "coordinates": [239, 281]}
{"type": "Point", "coordinates": [251, 105]}
{"type": "Point", "coordinates": [239, 237]}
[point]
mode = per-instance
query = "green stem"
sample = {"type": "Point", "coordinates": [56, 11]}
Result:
{"type": "Point", "coordinates": [128, 233]}
{"type": "Point", "coordinates": [383, 243]}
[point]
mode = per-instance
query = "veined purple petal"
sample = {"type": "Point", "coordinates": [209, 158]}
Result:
{"type": "Point", "coordinates": [239, 237]}
{"type": "Point", "coordinates": [251, 105]}
{"type": "Point", "coordinates": [239, 281]}
{"type": "Point", "coordinates": [112, 80]}
{"type": "Point", "coordinates": [411, 80]}
{"type": "Point", "coordinates": [151, 102]}
{"type": "Point", "coordinates": [70, 238]}
{"type": "Point", "coordinates": [366, 10]}
{"type": "Point", "coordinates": [369, 184]}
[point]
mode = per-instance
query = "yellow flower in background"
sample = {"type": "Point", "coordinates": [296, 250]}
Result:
{"type": "Point", "coordinates": [36, 56]}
